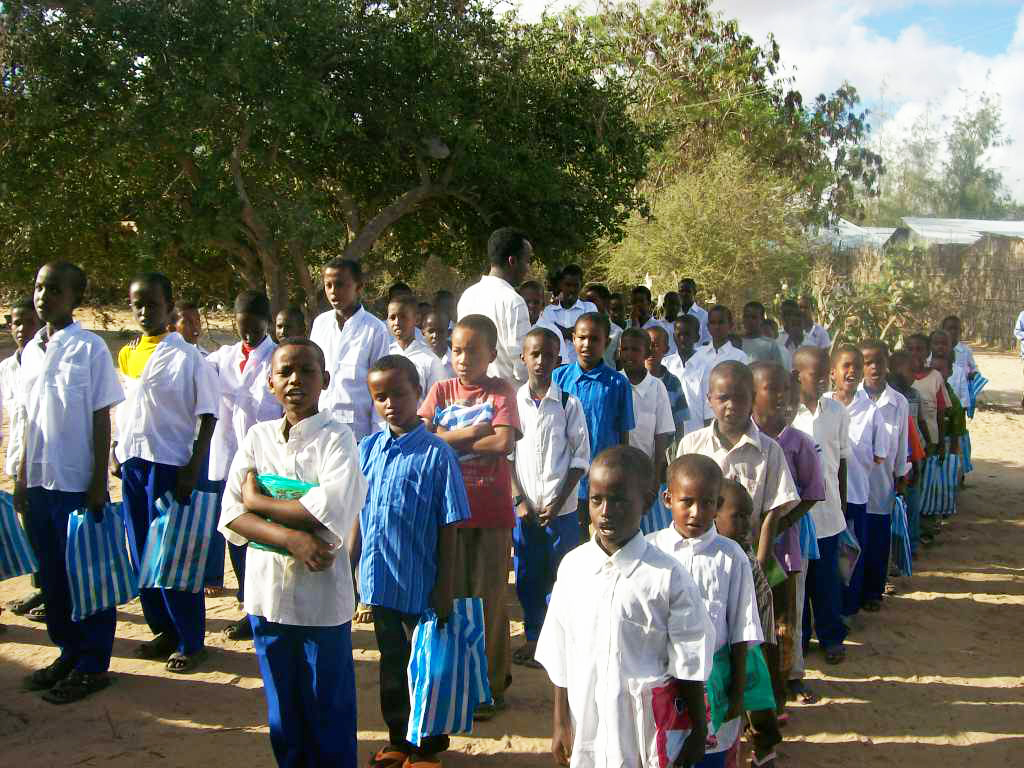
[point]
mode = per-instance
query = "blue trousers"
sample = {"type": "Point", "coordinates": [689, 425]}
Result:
{"type": "Point", "coordinates": [853, 593]}
{"type": "Point", "coordinates": [716, 760]}
{"type": "Point", "coordinates": [538, 553]}
{"type": "Point", "coordinates": [213, 576]}
{"type": "Point", "coordinates": [180, 614]}
{"type": "Point", "coordinates": [309, 680]}
{"type": "Point", "coordinates": [913, 497]}
{"type": "Point", "coordinates": [875, 555]}
{"type": "Point", "coordinates": [87, 643]}
{"type": "Point", "coordinates": [824, 596]}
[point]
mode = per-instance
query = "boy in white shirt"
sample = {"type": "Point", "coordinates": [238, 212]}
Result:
{"type": "Point", "coordinates": [24, 325]}
{"type": "Point", "coordinates": [68, 385]}
{"type": "Point", "coordinates": [436, 332]}
{"type": "Point", "coordinates": [685, 365]}
{"type": "Point", "coordinates": [289, 323]}
{"type": "Point", "coordinates": [718, 350]}
{"type": "Point", "coordinates": [963, 353]}
{"type": "Point", "coordinates": [550, 458]}
{"type": "Point", "coordinates": [243, 370]}
{"type": "Point", "coordinates": [352, 340]}
{"type": "Point", "coordinates": [533, 294]}
{"type": "Point", "coordinates": [828, 423]}
{"type": "Point", "coordinates": [563, 314]}
{"type": "Point", "coordinates": [625, 619]}
{"type": "Point", "coordinates": [655, 427]}
{"type": "Point", "coordinates": [300, 598]}
{"type": "Point", "coordinates": [169, 386]}
{"type": "Point", "coordinates": [722, 572]}
{"type": "Point", "coordinates": [867, 448]}
{"type": "Point", "coordinates": [889, 476]}
{"type": "Point", "coordinates": [402, 313]}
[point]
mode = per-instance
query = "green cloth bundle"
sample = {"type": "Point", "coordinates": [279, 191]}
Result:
{"type": "Point", "coordinates": [285, 488]}
{"type": "Point", "coordinates": [757, 694]}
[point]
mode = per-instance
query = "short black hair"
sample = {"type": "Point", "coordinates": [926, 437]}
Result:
{"type": "Point", "coordinates": [743, 500]}
{"type": "Point", "coordinates": [398, 288]}
{"type": "Point", "coordinates": [601, 321]}
{"type": "Point", "coordinates": [874, 345]}
{"type": "Point", "coordinates": [899, 356]}
{"type": "Point", "coordinates": [354, 268]}
{"type": "Point", "coordinates": [756, 305]}
{"type": "Point", "coordinates": [695, 464]}
{"type": "Point", "coordinates": [438, 314]}
{"type": "Point", "coordinates": [635, 463]}
{"type": "Point", "coordinates": [639, 334]}
{"type": "Point", "coordinates": [158, 280]}
{"type": "Point", "coordinates": [293, 311]}
{"type": "Point", "coordinates": [397, 363]}
{"type": "Point", "coordinates": [920, 337]}
{"type": "Point", "coordinates": [947, 318]}
{"type": "Point", "coordinates": [543, 333]}
{"type": "Point", "coordinates": [505, 243]}
{"type": "Point", "coordinates": [600, 289]}
{"type": "Point", "coordinates": [405, 300]}
{"type": "Point", "coordinates": [737, 370]}
{"type": "Point", "coordinates": [616, 295]}
{"type": "Point", "coordinates": [766, 368]}
{"type": "Point", "coordinates": [688, 281]}
{"type": "Point", "coordinates": [74, 275]}
{"type": "Point", "coordinates": [25, 303]}
{"type": "Point", "coordinates": [425, 306]}
{"type": "Point", "coordinates": [483, 325]}
{"type": "Point", "coordinates": [846, 349]}
{"type": "Point", "coordinates": [302, 341]}
{"type": "Point", "coordinates": [660, 330]}
{"type": "Point", "coordinates": [790, 305]}
{"type": "Point", "coordinates": [253, 303]}
{"type": "Point", "coordinates": [443, 293]}
{"type": "Point", "coordinates": [571, 269]}
{"type": "Point", "coordinates": [670, 293]}
{"type": "Point", "coordinates": [643, 289]}
{"type": "Point", "coordinates": [807, 352]}
{"type": "Point", "coordinates": [721, 308]}
{"type": "Point", "coordinates": [185, 305]}
{"type": "Point", "coordinates": [935, 333]}
{"type": "Point", "coordinates": [688, 319]}
{"type": "Point", "coordinates": [532, 285]}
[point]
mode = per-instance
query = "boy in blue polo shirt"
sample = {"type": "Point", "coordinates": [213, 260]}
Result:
{"type": "Point", "coordinates": [405, 543]}
{"type": "Point", "coordinates": [606, 395]}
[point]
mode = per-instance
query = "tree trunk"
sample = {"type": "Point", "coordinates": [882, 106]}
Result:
{"type": "Point", "coordinates": [275, 279]}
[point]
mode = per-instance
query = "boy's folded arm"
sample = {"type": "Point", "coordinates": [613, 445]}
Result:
{"type": "Point", "coordinates": [251, 527]}
{"type": "Point", "coordinates": [337, 500]}
{"type": "Point", "coordinates": [501, 440]}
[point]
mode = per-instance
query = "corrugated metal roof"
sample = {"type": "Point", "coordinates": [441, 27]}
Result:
{"type": "Point", "coordinates": [846, 234]}
{"type": "Point", "coordinates": [961, 231]}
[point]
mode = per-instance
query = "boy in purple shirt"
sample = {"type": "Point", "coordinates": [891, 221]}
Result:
{"type": "Point", "coordinates": [774, 408]}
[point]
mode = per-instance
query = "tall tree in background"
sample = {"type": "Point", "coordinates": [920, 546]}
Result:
{"type": "Point", "coordinates": [270, 135]}
{"type": "Point", "coordinates": [970, 187]}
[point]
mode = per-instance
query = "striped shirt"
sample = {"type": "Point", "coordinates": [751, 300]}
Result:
{"type": "Point", "coordinates": [416, 489]}
{"type": "Point", "coordinates": [607, 399]}
{"type": "Point", "coordinates": [676, 397]}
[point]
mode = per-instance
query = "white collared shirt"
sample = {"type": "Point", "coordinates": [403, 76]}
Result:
{"type": "Point", "coordinates": [615, 625]}
{"type": "Point", "coordinates": [653, 322]}
{"type": "Point", "coordinates": [702, 315]}
{"type": "Point", "coordinates": [965, 358]}
{"type": "Point", "coordinates": [611, 352]}
{"type": "Point", "coordinates": [446, 363]}
{"type": "Point", "coordinates": [428, 365]}
{"type": "Point", "coordinates": [350, 352]}
{"type": "Point", "coordinates": [895, 412]}
{"type": "Point", "coordinates": [555, 440]}
{"type": "Point", "coordinates": [320, 450]}
{"type": "Point", "coordinates": [707, 357]}
{"type": "Point", "coordinates": [788, 350]}
{"type": "Point", "coordinates": [756, 462]}
{"type": "Point", "coordinates": [566, 350]}
{"type": "Point", "coordinates": [721, 570]}
{"type": "Point", "coordinates": [958, 383]}
{"type": "Point", "coordinates": [817, 336]}
{"type": "Point", "coordinates": [652, 412]}
{"type": "Point", "coordinates": [555, 315]}
{"type": "Point", "coordinates": [245, 399]}
{"type": "Point", "coordinates": [10, 385]}
{"type": "Point", "coordinates": [494, 298]}
{"type": "Point", "coordinates": [691, 377]}
{"type": "Point", "coordinates": [867, 440]}
{"type": "Point", "coordinates": [829, 427]}
{"type": "Point", "coordinates": [61, 388]}
{"type": "Point", "coordinates": [157, 421]}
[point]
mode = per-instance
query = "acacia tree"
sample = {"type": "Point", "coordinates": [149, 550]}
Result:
{"type": "Point", "coordinates": [270, 134]}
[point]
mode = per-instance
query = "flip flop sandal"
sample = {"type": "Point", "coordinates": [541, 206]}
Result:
{"type": "Point", "coordinates": [803, 694]}
{"type": "Point", "coordinates": [783, 719]}
{"type": "Point", "coordinates": [159, 648]}
{"type": "Point", "coordinates": [768, 761]}
{"type": "Point", "coordinates": [835, 656]}
{"type": "Point", "coordinates": [76, 687]}
{"type": "Point", "coordinates": [389, 757]}
{"type": "Point", "coordinates": [421, 763]}
{"type": "Point", "coordinates": [23, 606]}
{"type": "Point", "coordinates": [240, 630]}
{"type": "Point", "coordinates": [47, 677]}
{"type": "Point", "coordinates": [183, 664]}
{"type": "Point", "coordinates": [37, 614]}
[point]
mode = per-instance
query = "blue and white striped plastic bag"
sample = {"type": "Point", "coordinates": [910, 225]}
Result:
{"type": "Point", "coordinates": [949, 485]}
{"type": "Point", "coordinates": [178, 543]}
{"type": "Point", "coordinates": [448, 672]}
{"type": "Point", "coordinates": [658, 517]}
{"type": "Point", "coordinates": [809, 539]}
{"type": "Point", "coordinates": [16, 556]}
{"type": "Point", "coordinates": [974, 388]}
{"type": "Point", "coordinates": [931, 486]}
{"type": "Point", "coordinates": [100, 571]}
{"type": "Point", "coordinates": [900, 529]}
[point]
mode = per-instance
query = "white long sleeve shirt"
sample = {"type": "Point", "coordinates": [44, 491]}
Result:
{"type": "Point", "coordinates": [495, 298]}
{"type": "Point", "coordinates": [867, 440]}
{"type": "Point", "coordinates": [428, 365]}
{"type": "Point", "coordinates": [691, 377]}
{"type": "Point", "coordinates": [895, 413]}
{"type": "Point", "coordinates": [319, 450]}
{"type": "Point", "coordinates": [350, 352]}
{"type": "Point", "coordinates": [10, 385]}
{"type": "Point", "coordinates": [652, 412]}
{"type": "Point", "coordinates": [829, 427]}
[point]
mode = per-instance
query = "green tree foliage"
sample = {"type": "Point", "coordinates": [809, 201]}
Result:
{"type": "Point", "coordinates": [263, 136]}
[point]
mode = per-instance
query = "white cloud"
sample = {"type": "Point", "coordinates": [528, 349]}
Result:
{"type": "Point", "coordinates": [824, 42]}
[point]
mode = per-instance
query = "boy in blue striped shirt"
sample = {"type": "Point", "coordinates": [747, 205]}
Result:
{"type": "Point", "coordinates": [606, 395]}
{"type": "Point", "coordinates": [404, 543]}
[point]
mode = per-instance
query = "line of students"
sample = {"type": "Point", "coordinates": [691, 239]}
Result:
{"type": "Point", "coordinates": [442, 510]}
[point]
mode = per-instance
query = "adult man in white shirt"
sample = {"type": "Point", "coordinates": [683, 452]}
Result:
{"type": "Point", "coordinates": [495, 297]}
{"type": "Point", "coordinates": [689, 306]}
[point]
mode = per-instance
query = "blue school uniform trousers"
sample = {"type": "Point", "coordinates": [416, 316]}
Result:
{"type": "Point", "coordinates": [824, 594]}
{"type": "Point", "coordinates": [86, 643]}
{"type": "Point", "coordinates": [853, 593]}
{"type": "Point", "coordinates": [213, 576]}
{"type": "Point", "coordinates": [538, 553]}
{"type": "Point", "coordinates": [180, 614]}
{"type": "Point", "coordinates": [310, 685]}
{"type": "Point", "coordinates": [875, 555]}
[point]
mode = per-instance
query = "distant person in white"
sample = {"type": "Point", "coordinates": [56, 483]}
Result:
{"type": "Point", "coordinates": [352, 340]}
{"type": "Point", "coordinates": [564, 313]}
{"type": "Point", "coordinates": [814, 334]}
{"type": "Point", "coordinates": [688, 306]}
{"type": "Point", "coordinates": [1018, 334]}
{"type": "Point", "coordinates": [792, 336]}
{"type": "Point", "coordinates": [495, 297]}
{"type": "Point", "coordinates": [642, 314]}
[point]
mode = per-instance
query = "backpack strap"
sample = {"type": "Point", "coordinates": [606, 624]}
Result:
{"type": "Point", "coordinates": [565, 399]}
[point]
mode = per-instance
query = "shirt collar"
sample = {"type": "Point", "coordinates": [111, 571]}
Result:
{"type": "Point", "coordinates": [304, 429]}
{"type": "Point", "coordinates": [697, 544]}
{"type": "Point", "coordinates": [499, 280]}
{"type": "Point", "coordinates": [751, 437]}
{"type": "Point", "coordinates": [625, 559]}
{"type": "Point", "coordinates": [409, 440]}
{"type": "Point", "coordinates": [68, 330]}
{"type": "Point", "coordinates": [594, 372]}
{"type": "Point", "coordinates": [554, 393]}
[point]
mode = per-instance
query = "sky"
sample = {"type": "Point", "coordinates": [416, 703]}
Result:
{"type": "Point", "coordinates": [904, 57]}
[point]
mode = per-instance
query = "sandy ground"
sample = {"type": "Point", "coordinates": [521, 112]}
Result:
{"type": "Point", "coordinates": [933, 680]}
